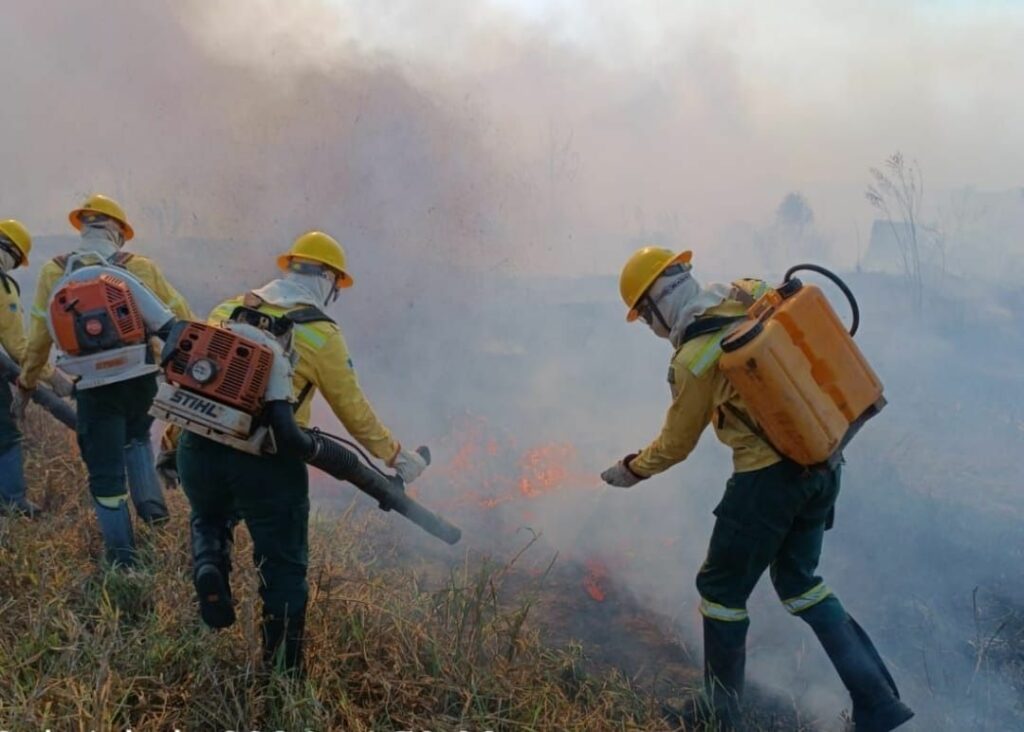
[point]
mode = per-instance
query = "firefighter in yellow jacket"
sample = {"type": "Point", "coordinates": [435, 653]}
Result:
{"type": "Point", "coordinates": [271, 492]}
{"type": "Point", "coordinates": [15, 245]}
{"type": "Point", "coordinates": [113, 420]}
{"type": "Point", "coordinates": [774, 512]}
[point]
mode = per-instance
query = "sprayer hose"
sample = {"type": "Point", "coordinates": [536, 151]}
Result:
{"type": "Point", "coordinates": [854, 308]}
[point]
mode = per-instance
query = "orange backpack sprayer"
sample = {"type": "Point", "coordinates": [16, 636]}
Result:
{"type": "Point", "coordinates": [804, 380]}
{"type": "Point", "coordinates": [232, 383]}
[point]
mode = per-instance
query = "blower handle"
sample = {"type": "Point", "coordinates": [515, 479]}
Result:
{"type": "Point", "coordinates": [854, 308]}
{"type": "Point", "coordinates": [46, 398]}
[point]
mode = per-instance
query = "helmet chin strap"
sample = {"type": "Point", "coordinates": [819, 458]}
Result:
{"type": "Point", "coordinates": [661, 318]}
{"type": "Point", "coordinates": [7, 260]}
{"type": "Point", "coordinates": [656, 312]}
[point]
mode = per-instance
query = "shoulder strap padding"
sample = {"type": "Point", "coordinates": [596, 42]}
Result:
{"type": "Point", "coordinates": [121, 258]}
{"type": "Point", "coordinates": [710, 324]}
{"type": "Point", "coordinates": [9, 282]}
{"type": "Point", "coordinates": [308, 314]}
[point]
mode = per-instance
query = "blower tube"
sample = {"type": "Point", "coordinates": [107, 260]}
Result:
{"type": "Point", "coordinates": [324, 453]}
{"type": "Point", "coordinates": [61, 410]}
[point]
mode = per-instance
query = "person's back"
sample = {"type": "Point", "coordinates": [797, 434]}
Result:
{"type": "Point", "coordinates": [113, 422]}
{"type": "Point", "coordinates": [270, 492]}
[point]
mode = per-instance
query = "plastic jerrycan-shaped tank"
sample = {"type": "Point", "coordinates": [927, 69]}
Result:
{"type": "Point", "coordinates": [801, 375]}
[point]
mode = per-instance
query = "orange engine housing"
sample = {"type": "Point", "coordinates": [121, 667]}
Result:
{"type": "Point", "coordinates": [95, 315]}
{"type": "Point", "coordinates": [220, 365]}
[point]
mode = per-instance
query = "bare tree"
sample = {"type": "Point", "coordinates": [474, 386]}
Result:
{"type": "Point", "coordinates": [897, 193]}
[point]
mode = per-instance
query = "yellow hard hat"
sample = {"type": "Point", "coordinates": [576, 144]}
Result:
{"type": "Point", "coordinates": [19, 236]}
{"type": "Point", "coordinates": [98, 203]}
{"type": "Point", "coordinates": [316, 246]}
{"type": "Point", "coordinates": [640, 272]}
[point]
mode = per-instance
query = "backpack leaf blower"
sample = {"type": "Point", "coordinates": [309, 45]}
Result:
{"type": "Point", "coordinates": [233, 385]}
{"type": "Point", "coordinates": [100, 317]}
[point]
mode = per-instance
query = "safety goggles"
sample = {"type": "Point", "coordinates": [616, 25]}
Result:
{"type": "Point", "coordinates": [317, 270]}
{"type": "Point", "coordinates": [92, 217]}
{"type": "Point", "coordinates": [8, 246]}
{"type": "Point", "coordinates": [647, 305]}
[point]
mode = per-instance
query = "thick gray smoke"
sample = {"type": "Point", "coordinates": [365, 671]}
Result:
{"type": "Point", "coordinates": [490, 165]}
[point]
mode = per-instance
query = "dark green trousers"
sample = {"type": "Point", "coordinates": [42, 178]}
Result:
{"type": "Point", "coordinates": [109, 417]}
{"type": "Point", "coordinates": [774, 518]}
{"type": "Point", "coordinates": [271, 494]}
{"type": "Point", "coordinates": [10, 435]}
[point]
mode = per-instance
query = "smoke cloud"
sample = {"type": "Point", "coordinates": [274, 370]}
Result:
{"type": "Point", "coordinates": [489, 165]}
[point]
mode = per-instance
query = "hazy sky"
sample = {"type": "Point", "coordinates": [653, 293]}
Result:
{"type": "Point", "coordinates": [566, 128]}
{"type": "Point", "coordinates": [829, 80]}
{"type": "Point", "coordinates": [732, 104]}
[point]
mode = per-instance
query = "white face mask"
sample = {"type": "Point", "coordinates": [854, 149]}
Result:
{"type": "Point", "coordinates": [680, 299]}
{"type": "Point", "coordinates": [104, 237]}
{"type": "Point", "coordinates": [7, 261]}
{"type": "Point", "coordinates": [666, 294]}
{"type": "Point", "coordinates": [320, 285]}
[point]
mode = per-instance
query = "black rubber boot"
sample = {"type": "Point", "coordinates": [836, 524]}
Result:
{"type": "Point", "coordinates": [118, 537]}
{"type": "Point", "coordinates": [143, 483]}
{"type": "Point", "coordinates": [211, 570]}
{"type": "Point", "coordinates": [725, 662]}
{"type": "Point", "coordinates": [283, 637]}
{"type": "Point", "coordinates": [12, 486]}
{"type": "Point", "coordinates": [876, 700]}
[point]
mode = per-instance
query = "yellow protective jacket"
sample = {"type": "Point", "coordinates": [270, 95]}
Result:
{"type": "Point", "coordinates": [324, 363]}
{"type": "Point", "coordinates": [702, 395]}
{"type": "Point", "coordinates": [12, 325]}
{"type": "Point", "coordinates": [39, 341]}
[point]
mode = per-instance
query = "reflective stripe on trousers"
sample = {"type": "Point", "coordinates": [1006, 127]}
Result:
{"type": "Point", "coordinates": [714, 611]}
{"type": "Point", "coordinates": [808, 599]}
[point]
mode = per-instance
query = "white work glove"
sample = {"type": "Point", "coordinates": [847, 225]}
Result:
{"type": "Point", "coordinates": [62, 386]}
{"type": "Point", "coordinates": [409, 464]}
{"type": "Point", "coordinates": [620, 476]}
{"type": "Point", "coordinates": [22, 397]}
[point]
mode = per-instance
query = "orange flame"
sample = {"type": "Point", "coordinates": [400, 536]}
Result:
{"type": "Point", "coordinates": [489, 472]}
{"type": "Point", "coordinates": [597, 572]}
